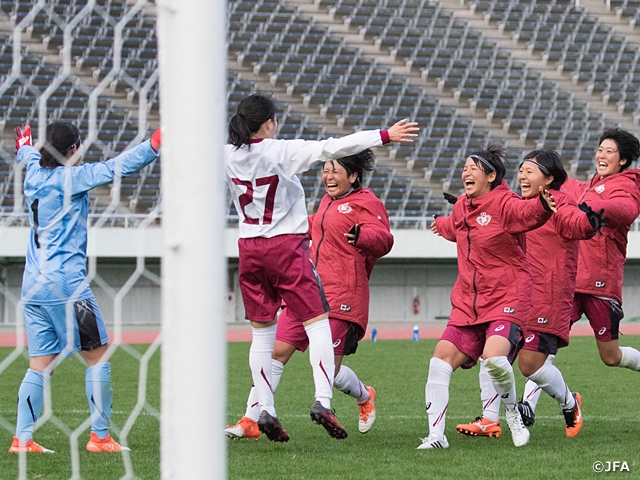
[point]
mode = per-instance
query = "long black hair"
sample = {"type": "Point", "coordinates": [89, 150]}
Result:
{"type": "Point", "coordinates": [550, 165]}
{"type": "Point", "coordinates": [251, 113]}
{"type": "Point", "coordinates": [628, 145]}
{"type": "Point", "coordinates": [61, 137]}
{"type": "Point", "coordinates": [358, 163]}
{"type": "Point", "coordinates": [494, 157]}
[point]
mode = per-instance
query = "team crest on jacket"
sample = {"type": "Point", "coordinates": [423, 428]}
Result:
{"type": "Point", "coordinates": [344, 208]}
{"type": "Point", "coordinates": [599, 189]}
{"type": "Point", "coordinates": [483, 219]}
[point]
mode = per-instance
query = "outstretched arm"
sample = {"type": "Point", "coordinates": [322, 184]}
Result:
{"type": "Point", "coordinates": [302, 154]}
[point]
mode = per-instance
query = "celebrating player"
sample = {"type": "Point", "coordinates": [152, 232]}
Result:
{"type": "Point", "coordinates": [552, 252]}
{"type": "Point", "coordinates": [57, 300]}
{"type": "Point", "coordinates": [274, 262]}
{"type": "Point", "coordinates": [349, 233]}
{"type": "Point", "coordinates": [491, 296]}
{"type": "Point", "coordinates": [601, 259]}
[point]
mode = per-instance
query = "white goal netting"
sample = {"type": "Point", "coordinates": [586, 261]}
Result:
{"type": "Point", "coordinates": [94, 64]}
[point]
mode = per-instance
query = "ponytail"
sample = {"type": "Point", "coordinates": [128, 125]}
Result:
{"type": "Point", "coordinates": [253, 111]}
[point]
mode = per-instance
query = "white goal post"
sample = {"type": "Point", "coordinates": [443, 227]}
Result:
{"type": "Point", "coordinates": [192, 59]}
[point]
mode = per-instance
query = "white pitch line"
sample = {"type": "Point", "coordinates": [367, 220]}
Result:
{"type": "Point", "coordinates": [605, 418]}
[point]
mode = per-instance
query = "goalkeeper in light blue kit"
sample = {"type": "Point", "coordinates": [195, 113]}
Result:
{"type": "Point", "coordinates": [61, 314]}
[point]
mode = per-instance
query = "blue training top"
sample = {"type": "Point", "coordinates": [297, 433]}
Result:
{"type": "Point", "coordinates": [56, 263]}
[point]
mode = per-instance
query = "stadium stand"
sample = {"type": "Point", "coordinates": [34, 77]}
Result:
{"type": "Point", "coordinates": [343, 89]}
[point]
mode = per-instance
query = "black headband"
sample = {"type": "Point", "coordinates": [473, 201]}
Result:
{"type": "Point", "coordinates": [477, 157]}
{"type": "Point", "coordinates": [540, 166]}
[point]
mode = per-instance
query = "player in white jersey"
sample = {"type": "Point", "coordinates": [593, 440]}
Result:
{"type": "Point", "coordinates": [61, 314]}
{"type": "Point", "coordinates": [274, 261]}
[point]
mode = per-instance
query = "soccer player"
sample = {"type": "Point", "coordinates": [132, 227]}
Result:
{"type": "Point", "coordinates": [61, 314]}
{"type": "Point", "coordinates": [552, 252]}
{"type": "Point", "coordinates": [274, 262]}
{"type": "Point", "coordinates": [349, 233]}
{"type": "Point", "coordinates": [491, 296]}
{"type": "Point", "coordinates": [598, 293]}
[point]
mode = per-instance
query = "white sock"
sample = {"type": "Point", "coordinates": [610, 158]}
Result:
{"type": "Point", "coordinates": [531, 389]}
{"type": "Point", "coordinates": [549, 379]}
{"type": "Point", "coordinates": [488, 395]}
{"type": "Point", "coordinates": [630, 358]}
{"type": "Point", "coordinates": [437, 394]}
{"type": "Point", "coordinates": [260, 363]}
{"type": "Point", "coordinates": [321, 359]}
{"type": "Point", "coordinates": [253, 407]}
{"type": "Point", "coordinates": [348, 382]}
{"type": "Point", "coordinates": [504, 382]}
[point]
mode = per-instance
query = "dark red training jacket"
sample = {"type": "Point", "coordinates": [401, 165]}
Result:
{"type": "Point", "coordinates": [494, 282]}
{"type": "Point", "coordinates": [343, 268]}
{"type": "Point", "coordinates": [552, 252]}
{"type": "Point", "coordinates": [601, 259]}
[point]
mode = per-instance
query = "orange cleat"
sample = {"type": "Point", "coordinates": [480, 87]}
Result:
{"type": "Point", "coordinates": [106, 444]}
{"type": "Point", "coordinates": [480, 427]}
{"type": "Point", "coordinates": [28, 446]}
{"type": "Point", "coordinates": [367, 412]}
{"type": "Point", "coordinates": [573, 417]}
{"type": "Point", "coordinates": [245, 428]}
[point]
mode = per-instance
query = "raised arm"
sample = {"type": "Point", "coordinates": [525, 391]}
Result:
{"type": "Point", "coordinates": [302, 154]}
{"type": "Point", "coordinates": [521, 215]}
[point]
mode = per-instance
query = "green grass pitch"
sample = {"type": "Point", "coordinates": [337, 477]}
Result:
{"type": "Point", "coordinates": [398, 371]}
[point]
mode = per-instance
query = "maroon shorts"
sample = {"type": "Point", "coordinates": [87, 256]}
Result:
{"type": "Point", "coordinates": [275, 269]}
{"type": "Point", "coordinates": [345, 334]}
{"type": "Point", "coordinates": [470, 340]}
{"type": "Point", "coordinates": [604, 315]}
{"type": "Point", "coordinates": [543, 342]}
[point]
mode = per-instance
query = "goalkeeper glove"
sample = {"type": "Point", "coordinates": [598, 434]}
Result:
{"type": "Point", "coordinates": [156, 140]}
{"type": "Point", "coordinates": [450, 198]}
{"type": "Point", "coordinates": [23, 138]}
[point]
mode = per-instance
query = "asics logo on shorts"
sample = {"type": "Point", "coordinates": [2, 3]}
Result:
{"type": "Point", "coordinates": [599, 284]}
{"type": "Point", "coordinates": [483, 219]}
{"type": "Point", "coordinates": [499, 328]}
{"type": "Point", "coordinates": [602, 330]}
{"type": "Point", "coordinates": [530, 338]}
{"type": "Point", "coordinates": [509, 310]}
{"type": "Point", "coordinates": [345, 308]}
{"type": "Point", "coordinates": [337, 342]}
{"type": "Point", "coordinates": [543, 320]}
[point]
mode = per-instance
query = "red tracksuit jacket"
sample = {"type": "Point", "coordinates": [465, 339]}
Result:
{"type": "Point", "coordinates": [343, 268]}
{"type": "Point", "coordinates": [494, 281]}
{"type": "Point", "coordinates": [601, 259]}
{"type": "Point", "coordinates": [552, 252]}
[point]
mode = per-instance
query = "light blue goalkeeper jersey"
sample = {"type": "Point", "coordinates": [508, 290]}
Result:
{"type": "Point", "coordinates": [56, 263]}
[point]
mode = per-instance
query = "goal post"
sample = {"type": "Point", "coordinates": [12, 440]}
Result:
{"type": "Point", "coordinates": [192, 62]}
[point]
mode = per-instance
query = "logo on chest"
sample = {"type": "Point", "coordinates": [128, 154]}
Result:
{"type": "Point", "coordinates": [344, 208]}
{"type": "Point", "coordinates": [483, 219]}
{"type": "Point", "coordinates": [599, 189]}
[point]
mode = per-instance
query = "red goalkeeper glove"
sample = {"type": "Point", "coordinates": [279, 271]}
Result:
{"type": "Point", "coordinates": [156, 140]}
{"type": "Point", "coordinates": [23, 138]}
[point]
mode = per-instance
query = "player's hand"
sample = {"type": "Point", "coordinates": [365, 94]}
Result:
{"type": "Point", "coordinates": [596, 219]}
{"type": "Point", "coordinates": [434, 228]}
{"type": "Point", "coordinates": [353, 234]}
{"type": "Point", "coordinates": [23, 138]}
{"type": "Point", "coordinates": [403, 131]}
{"type": "Point", "coordinates": [450, 198]}
{"type": "Point", "coordinates": [548, 202]}
{"type": "Point", "coordinates": [156, 140]}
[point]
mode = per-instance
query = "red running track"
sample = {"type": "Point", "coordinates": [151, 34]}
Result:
{"type": "Point", "coordinates": [384, 333]}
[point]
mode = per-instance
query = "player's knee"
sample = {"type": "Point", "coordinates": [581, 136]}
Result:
{"type": "Point", "coordinates": [498, 368]}
{"type": "Point", "coordinates": [526, 369]}
{"type": "Point", "coordinates": [610, 359]}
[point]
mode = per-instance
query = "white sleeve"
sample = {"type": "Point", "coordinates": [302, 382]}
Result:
{"type": "Point", "coordinates": [300, 155]}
